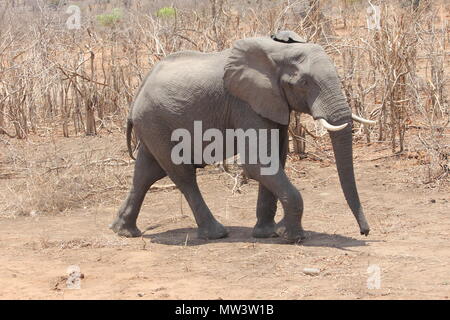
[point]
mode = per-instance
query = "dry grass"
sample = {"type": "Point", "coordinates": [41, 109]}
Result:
{"type": "Point", "coordinates": [53, 176]}
{"type": "Point", "coordinates": [45, 243]}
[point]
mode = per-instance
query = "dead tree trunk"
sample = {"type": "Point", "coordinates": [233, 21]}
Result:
{"type": "Point", "coordinates": [298, 134]}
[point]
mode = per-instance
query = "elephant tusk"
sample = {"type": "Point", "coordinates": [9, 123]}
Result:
{"type": "Point", "coordinates": [362, 120]}
{"type": "Point", "coordinates": [330, 127]}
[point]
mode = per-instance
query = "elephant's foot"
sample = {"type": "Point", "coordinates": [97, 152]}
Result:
{"type": "Point", "coordinates": [125, 230]}
{"type": "Point", "coordinates": [264, 230]}
{"type": "Point", "coordinates": [291, 232]}
{"type": "Point", "coordinates": [213, 231]}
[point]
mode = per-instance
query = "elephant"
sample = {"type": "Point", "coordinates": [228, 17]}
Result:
{"type": "Point", "coordinates": [253, 85]}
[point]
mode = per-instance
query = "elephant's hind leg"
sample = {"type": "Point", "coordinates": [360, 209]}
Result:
{"type": "Point", "coordinates": [146, 172]}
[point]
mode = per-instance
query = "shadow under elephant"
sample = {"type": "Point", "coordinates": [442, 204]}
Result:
{"type": "Point", "coordinates": [188, 237]}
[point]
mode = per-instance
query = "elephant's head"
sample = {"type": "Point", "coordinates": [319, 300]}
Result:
{"type": "Point", "coordinates": [276, 77]}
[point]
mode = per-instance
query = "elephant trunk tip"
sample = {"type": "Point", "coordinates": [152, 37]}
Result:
{"type": "Point", "coordinates": [365, 231]}
{"type": "Point", "coordinates": [363, 226]}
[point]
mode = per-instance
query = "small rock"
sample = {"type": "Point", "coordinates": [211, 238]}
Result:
{"type": "Point", "coordinates": [433, 201]}
{"type": "Point", "coordinates": [140, 295]}
{"type": "Point", "coordinates": [311, 271]}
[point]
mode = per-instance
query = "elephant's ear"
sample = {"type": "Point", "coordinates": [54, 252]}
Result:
{"type": "Point", "coordinates": [252, 75]}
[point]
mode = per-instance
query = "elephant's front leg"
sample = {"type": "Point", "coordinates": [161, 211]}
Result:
{"type": "Point", "coordinates": [289, 227]}
{"type": "Point", "coordinates": [266, 207]}
{"type": "Point", "coordinates": [265, 213]}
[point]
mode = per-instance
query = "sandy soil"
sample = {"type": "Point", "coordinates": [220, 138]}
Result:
{"type": "Point", "coordinates": [409, 242]}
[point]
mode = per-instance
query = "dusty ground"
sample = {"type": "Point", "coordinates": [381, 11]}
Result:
{"type": "Point", "coordinates": [409, 242]}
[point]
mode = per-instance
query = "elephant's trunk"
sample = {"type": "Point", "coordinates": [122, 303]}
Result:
{"type": "Point", "coordinates": [329, 103]}
{"type": "Point", "coordinates": [342, 147]}
{"type": "Point", "coordinates": [332, 106]}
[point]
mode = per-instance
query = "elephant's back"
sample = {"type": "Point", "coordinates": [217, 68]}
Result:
{"type": "Point", "coordinates": [187, 73]}
{"type": "Point", "coordinates": [184, 78]}
{"type": "Point", "coordinates": [187, 84]}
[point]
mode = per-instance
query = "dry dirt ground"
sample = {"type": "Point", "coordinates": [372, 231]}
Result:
{"type": "Point", "coordinates": [409, 242]}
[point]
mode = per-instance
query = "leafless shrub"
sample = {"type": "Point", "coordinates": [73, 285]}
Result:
{"type": "Point", "coordinates": [430, 92]}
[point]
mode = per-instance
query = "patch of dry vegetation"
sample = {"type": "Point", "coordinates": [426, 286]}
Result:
{"type": "Point", "coordinates": [51, 176]}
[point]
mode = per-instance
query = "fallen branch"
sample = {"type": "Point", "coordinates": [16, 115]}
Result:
{"type": "Point", "coordinates": [163, 187]}
{"type": "Point", "coordinates": [3, 131]}
{"type": "Point", "coordinates": [388, 156]}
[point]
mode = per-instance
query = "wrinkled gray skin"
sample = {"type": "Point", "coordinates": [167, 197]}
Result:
{"type": "Point", "coordinates": [253, 85]}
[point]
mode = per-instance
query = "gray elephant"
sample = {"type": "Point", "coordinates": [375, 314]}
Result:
{"type": "Point", "coordinates": [254, 85]}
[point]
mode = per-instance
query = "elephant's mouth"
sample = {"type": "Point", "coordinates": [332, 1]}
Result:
{"type": "Point", "coordinates": [333, 112]}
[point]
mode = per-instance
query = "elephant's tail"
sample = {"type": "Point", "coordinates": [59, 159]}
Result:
{"type": "Point", "coordinates": [129, 130]}
{"type": "Point", "coordinates": [130, 122]}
